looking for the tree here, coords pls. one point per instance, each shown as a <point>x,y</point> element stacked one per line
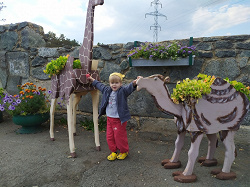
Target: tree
<point>53,41</point>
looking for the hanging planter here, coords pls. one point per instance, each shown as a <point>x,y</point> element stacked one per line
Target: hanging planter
<point>162,54</point>
<point>188,61</point>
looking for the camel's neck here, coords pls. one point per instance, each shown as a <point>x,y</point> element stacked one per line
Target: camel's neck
<point>86,50</point>
<point>165,103</point>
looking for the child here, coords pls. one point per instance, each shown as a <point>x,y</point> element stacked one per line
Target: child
<point>114,105</point>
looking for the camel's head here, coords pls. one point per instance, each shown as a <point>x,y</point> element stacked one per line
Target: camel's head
<point>151,83</point>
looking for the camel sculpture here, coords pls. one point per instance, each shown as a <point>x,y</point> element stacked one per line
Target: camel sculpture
<point>72,83</point>
<point>220,111</point>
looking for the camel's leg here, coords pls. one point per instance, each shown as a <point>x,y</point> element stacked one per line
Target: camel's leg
<point>210,160</point>
<point>192,155</point>
<point>225,174</point>
<point>187,176</point>
<point>70,126</point>
<point>76,100</point>
<point>174,161</point>
<point>229,153</point>
<point>52,118</point>
<point>95,102</point>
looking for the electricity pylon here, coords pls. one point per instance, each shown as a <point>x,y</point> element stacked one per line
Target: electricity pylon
<point>156,14</point>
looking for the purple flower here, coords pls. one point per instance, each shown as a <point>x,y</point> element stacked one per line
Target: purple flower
<point>14,103</point>
<point>18,101</point>
<point>11,107</point>
<point>5,100</point>
<point>10,100</point>
<point>1,108</point>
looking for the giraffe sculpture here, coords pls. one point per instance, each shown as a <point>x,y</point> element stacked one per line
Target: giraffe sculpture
<point>72,83</point>
<point>220,111</point>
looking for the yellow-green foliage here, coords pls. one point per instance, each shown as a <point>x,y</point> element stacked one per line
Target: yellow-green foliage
<point>55,66</point>
<point>240,87</point>
<point>194,89</point>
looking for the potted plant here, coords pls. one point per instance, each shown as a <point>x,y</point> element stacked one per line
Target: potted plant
<point>55,66</point>
<point>152,54</point>
<point>29,108</point>
<point>189,91</point>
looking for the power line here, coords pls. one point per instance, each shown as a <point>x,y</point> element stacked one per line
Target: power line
<point>156,14</point>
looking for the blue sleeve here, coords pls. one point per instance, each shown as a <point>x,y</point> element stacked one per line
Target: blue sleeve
<point>128,89</point>
<point>100,86</point>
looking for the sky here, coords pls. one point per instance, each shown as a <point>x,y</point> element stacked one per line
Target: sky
<point>122,21</point>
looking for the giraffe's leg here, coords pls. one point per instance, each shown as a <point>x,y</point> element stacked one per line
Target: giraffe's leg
<point>52,120</point>
<point>95,102</point>
<point>174,161</point>
<point>210,160</point>
<point>70,127</point>
<point>225,173</point>
<point>76,100</point>
<point>187,176</point>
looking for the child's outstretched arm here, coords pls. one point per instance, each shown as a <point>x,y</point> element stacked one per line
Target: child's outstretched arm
<point>100,86</point>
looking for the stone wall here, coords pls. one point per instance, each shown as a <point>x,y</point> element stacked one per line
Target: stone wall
<point>23,57</point>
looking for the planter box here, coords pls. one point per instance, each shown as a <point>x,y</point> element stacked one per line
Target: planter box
<point>166,62</point>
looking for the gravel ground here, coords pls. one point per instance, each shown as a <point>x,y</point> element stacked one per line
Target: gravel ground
<point>28,160</point>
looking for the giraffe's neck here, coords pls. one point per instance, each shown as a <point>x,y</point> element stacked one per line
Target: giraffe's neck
<point>85,52</point>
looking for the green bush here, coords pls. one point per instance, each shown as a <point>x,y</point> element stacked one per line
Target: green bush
<point>89,124</point>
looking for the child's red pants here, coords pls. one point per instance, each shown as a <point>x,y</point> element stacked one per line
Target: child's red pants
<point>117,135</point>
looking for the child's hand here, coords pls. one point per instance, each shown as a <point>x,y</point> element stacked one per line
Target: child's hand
<point>134,82</point>
<point>138,77</point>
<point>91,79</point>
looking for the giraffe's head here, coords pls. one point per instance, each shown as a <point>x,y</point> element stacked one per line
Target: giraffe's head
<point>97,2</point>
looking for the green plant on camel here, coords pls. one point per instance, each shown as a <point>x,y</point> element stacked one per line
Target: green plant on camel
<point>55,66</point>
<point>191,90</point>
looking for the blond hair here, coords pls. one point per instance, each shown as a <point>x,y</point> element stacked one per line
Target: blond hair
<point>113,77</point>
